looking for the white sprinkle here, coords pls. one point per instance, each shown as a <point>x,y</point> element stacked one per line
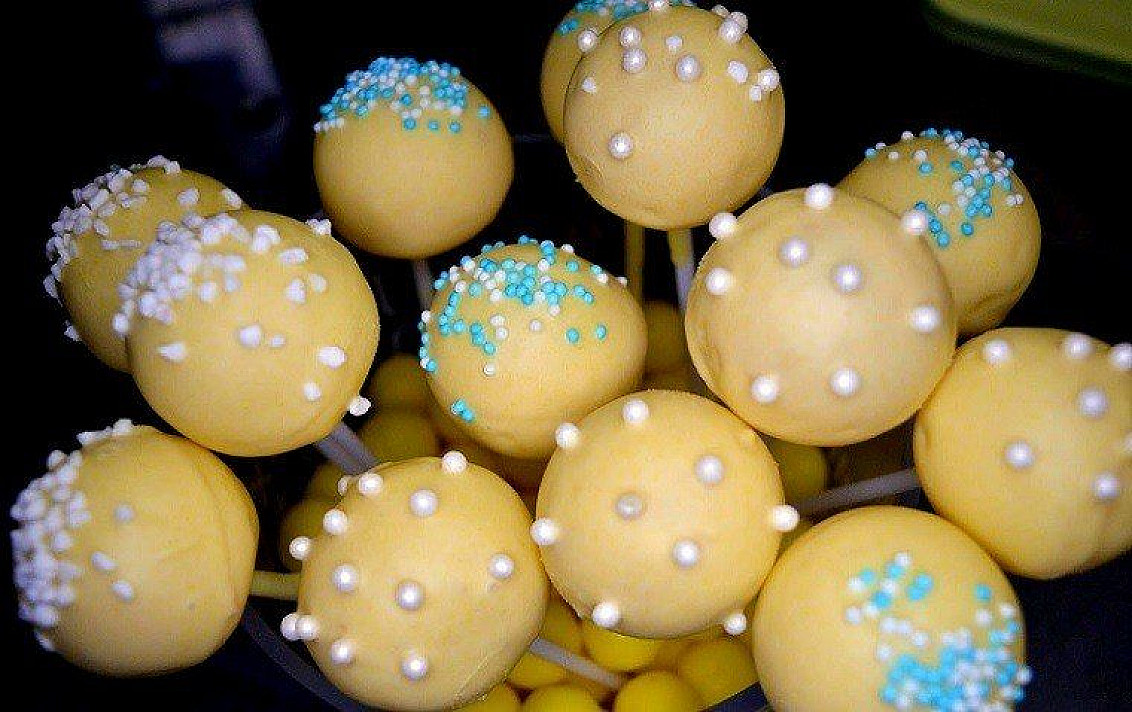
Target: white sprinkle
<point>925,319</point>
<point>914,222</point>
<point>635,411</point>
<point>545,532</point>
<point>686,553</point>
<point>1092,402</point>
<point>783,518</point>
<point>674,43</point>
<point>331,356</point>
<point>230,197</point>
<point>334,522</point>
<point>293,256</point>
<point>277,341</point>
<point>735,624</point>
<point>123,590</point>
<point>317,282</point>
<point>853,615</point>
<point>173,352</point>
<point>454,462</point>
<point>208,292</point>
<point>289,626</point>
<point>589,85</point>
<point>343,485</point>
<point>629,505</point>
<point>764,389</point>
<point>634,60</point>
<point>1106,487</point>
<point>794,252</point>
<point>501,567</point>
<point>296,292</point>
<point>845,382</point>
<point>606,614</point>
<point>123,513</point>
<point>341,652</point>
<point>1019,455</point>
<point>102,562</point>
<point>658,5</point>
<point>629,37</point>
<point>755,92</point>
<point>311,391</point>
<point>709,470</point>
<point>737,71</point>
<point>818,196</point>
<point>489,369</point>
<point>414,666</point>
<point>587,40</point>
<point>723,226</point>
<point>996,352</point>
<point>250,336</point>
<point>688,68</point>
<point>306,628</point>
<point>730,31</point>
<point>345,578</point>
<point>983,618</point>
<point>768,79</point>
<point>370,484</point>
<point>847,278</point>
<point>359,405</point>
<point>188,197</point>
<point>620,145</point>
<point>423,503</point>
<point>1077,347</point>
<point>719,281</point>
<point>920,156</point>
<point>1120,357</point>
<point>567,436</point>
<point>299,548</point>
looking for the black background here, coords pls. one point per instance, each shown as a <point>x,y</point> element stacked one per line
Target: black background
<point>96,94</point>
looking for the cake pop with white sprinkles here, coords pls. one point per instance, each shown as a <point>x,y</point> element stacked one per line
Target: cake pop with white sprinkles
<point>98,239</point>
<point>655,535</point>
<point>410,158</point>
<point>820,318</point>
<point>1026,444</point>
<point>424,589</point>
<point>982,224</point>
<point>673,115</point>
<point>134,554</point>
<point>525,336</point>
<point>250,333</point>
<point>889,608</point>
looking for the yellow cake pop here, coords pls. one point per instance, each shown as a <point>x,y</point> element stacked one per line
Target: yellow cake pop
<point>251,333</point>
<point>820,318</point>
<point>134,555</point>
<point>560,698</point>
<point>657,691</point>
<point>717,669</point>
<point>98,239</point>
<point>304,519</point>
<point>673,115</point>
<point>804,469</point>
<point>526,336</point>
<point>884,607</point>
<point>423,591</point>
<point>1027,445</point>
<point>654,535</point>
<point>982,225</point>
<point>410,158</point>
<point>399,383</point>
<point>501,699</point>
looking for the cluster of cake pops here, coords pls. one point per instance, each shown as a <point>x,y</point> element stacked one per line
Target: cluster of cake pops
<point>518,513</point>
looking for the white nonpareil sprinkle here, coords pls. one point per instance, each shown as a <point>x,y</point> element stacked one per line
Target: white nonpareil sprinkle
<point>737,71</point>
<point>332,356</point>
<point>359,405</point>
<point>296,291</point>
<point>311,391</point>
<point>188,198</point>
<point>251,335</point>
<point>173,352</point>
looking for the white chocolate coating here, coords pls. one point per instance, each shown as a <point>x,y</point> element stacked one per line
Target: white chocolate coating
<point>875,605</point>
<point>819,338</point>
<point>1025,446</point>
<point>251,334</point>
<point>134,554</point>
<point>664,146</point>
<point>982,224</point>
<point>98,239</point>
<point>656,535</point>
<point>407,603</point>
<point>526,336</point>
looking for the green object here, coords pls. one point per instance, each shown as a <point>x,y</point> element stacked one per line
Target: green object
<point>1088,36</point>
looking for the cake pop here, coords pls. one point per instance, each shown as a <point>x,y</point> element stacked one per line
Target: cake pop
<point>673,115</point>
<point>803,468</point>
<point>98,239</point>
<point>820,318</point>
<point>1026,444</point>
<point>423,590</point>
<point>134,554</point>
<point>560,698</point>
<point>399,383</point>
<point>525,336</point>
<point>250,333</point>
<point>901,610</point>
<point>982,225</point>
<point>655,535</point>
<point>410,158</point>
<point>657,691</point>
<point>717,669</point>
<point>501,699</point>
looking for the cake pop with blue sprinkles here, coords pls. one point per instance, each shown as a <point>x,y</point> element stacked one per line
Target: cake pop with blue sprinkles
<point>410,158</point>
<point>893,609</point>
<point>982,224</point>
<point>523,337</point>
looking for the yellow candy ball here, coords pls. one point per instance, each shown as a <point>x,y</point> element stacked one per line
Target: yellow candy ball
<point>501,699</point>
<point>804,469</point>
<point>399,382</point>
<point>717,669</point>
<point>617,652</point>
<point>657,691</point>
<point>559,627</point>
<point>667,347</point>
<point>303,519</point>
<point>671,650</point>
<point>560,698</point>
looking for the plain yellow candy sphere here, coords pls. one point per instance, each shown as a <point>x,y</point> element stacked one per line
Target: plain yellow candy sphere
<point>657,691</point>
<point>559,627</point>
<point>1027,446</point>
<point>250,333</point>
<point>717,669</point>
<point>134,555</point>
<point>501,699</point>
<point>525,336</point>
<point>804,469</point>
<point>668,349</point>
<point>671,649</point>
<point>616,652</point>
<point>560,698</point>
<point>411,159</point>
<point>111,223</point>
<point>302,519</point>
<point>984,228</point>
<point>673,115</point>
<point>399,383</point>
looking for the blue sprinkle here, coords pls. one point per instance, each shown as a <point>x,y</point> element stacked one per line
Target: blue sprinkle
<point>572,335</point>
<point>982,593</point>
<point>409,124</point>
<point>600,332</point>
<point>967,229</point>
<point>925,168</point>
<point>454,127</point>
<point>483,112</point>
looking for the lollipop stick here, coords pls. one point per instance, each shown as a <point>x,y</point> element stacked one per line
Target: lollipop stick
<point>268,584</point>
<point>858,492</point>
<point>575,663</point>
<point>683,261</point>
<point>348,440</point>
<point>333,450</point>
<point>635,258</point>
<point>422,276</point>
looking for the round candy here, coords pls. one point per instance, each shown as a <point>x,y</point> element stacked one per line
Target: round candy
<point>1027,445</point>
<point>501,699</point>
<point>525,336</point>
<point>657,691</point>
<point>559,627</point>
<point>98,239</point>
<point>579,29</point>
<point>667,348</point>
<point>672,116</point>
<point>134,555</point>
<point>302,520</point>
<point>717,669</point>
<point>981,223</point>
<point>671,649</point>
<point>560,698</point>
<point>250,333</point>
<point>654,535</point>
<point>886,453</point>
<point>617,652</point>
<point>410,158</point>
<point>423,591</point>
<point>902,609</point>
<point>818,319</point>
<point>399,383</point>
<point>804,469</point>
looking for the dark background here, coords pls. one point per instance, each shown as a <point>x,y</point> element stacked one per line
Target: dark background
<point>116,82</point>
